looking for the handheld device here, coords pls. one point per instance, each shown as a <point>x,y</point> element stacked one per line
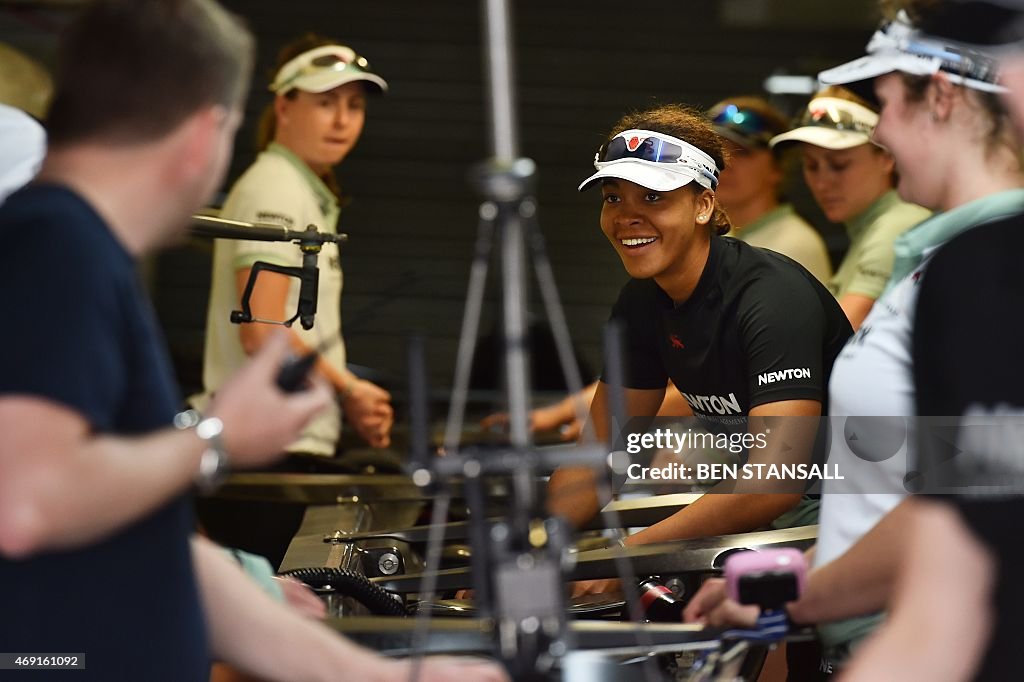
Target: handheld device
<point>294,371</point>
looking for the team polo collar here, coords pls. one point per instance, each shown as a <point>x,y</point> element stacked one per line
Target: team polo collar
<point>325,197</point>
<point>708,277</point>
<point>912,246</point>
<point>777,213</point>
<point>856,226</point>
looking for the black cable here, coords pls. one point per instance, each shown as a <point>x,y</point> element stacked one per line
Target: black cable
<point>350,584</point>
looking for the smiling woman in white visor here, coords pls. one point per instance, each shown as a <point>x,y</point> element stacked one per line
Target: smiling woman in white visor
<point>709,313</point>
<point>851,179</point>
<point>656,165</point>
<point>957,153</point>
<point>966,544</point>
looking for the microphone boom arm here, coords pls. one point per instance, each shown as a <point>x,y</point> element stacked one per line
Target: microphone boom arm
<point>310,241</point>
<point>222,228</point>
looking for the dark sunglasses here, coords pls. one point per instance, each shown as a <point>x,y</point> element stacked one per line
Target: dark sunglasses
<point>657,149</point>
<point>748,124</point>
<point>650,149</point>
<point>337,63</point>
<point>835,118</point>
<point>331,62</point>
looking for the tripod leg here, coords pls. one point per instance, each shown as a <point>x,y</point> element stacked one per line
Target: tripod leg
<point>553,307</point>
<point>470,325</point>
<point>563,343</point>
<point>514,304</point>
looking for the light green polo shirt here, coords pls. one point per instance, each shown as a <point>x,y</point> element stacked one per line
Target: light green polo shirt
<point>783,230</point>
<point>868,262</point>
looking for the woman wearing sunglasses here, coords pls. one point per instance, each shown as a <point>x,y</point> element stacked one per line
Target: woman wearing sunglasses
<point>851,179</point>
<point>957,153</point>
<point>316,118</point>
<point>743,333</point>
<point>750,188</point>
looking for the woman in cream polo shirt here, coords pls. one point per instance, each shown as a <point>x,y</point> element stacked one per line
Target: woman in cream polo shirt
<point>315,120</point>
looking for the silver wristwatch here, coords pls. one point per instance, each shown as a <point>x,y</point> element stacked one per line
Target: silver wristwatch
<point>213,465</point>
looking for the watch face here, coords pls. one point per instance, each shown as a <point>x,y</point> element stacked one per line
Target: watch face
<point>213,469</point>
<point>209,428</point>
<point>186,419</point>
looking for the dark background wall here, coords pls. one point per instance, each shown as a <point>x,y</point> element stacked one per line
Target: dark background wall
<point>412,218</point>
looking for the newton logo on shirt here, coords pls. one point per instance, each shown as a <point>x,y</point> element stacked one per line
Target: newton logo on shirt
<point>782,375</point>
<point>714,403</point>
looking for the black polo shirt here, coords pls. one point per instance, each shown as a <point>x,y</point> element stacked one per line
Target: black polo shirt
<point>968,337</point>
<point>757,329</point>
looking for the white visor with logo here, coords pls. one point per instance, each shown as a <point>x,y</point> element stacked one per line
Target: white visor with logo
<point>653,160</point>
<point>325,68</point>
<point>898,46</point>
<point>832,123</point>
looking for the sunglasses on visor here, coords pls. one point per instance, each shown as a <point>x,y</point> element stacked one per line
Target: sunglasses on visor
<point>834,118</point>
<point>327,62</point>
<point>656,149</point>
<point>746,123</point>
<point>650,149</point>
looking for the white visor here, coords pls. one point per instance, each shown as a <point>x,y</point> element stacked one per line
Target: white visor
<point>832,123</point>
<point>325,68</point>
<point>644,173</point>
<point>898,46</point>
<point>653,160</point>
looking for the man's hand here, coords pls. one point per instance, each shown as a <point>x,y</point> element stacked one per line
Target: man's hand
<point>259,419</point>
<point>712,606</point>
<point>368,408</point>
